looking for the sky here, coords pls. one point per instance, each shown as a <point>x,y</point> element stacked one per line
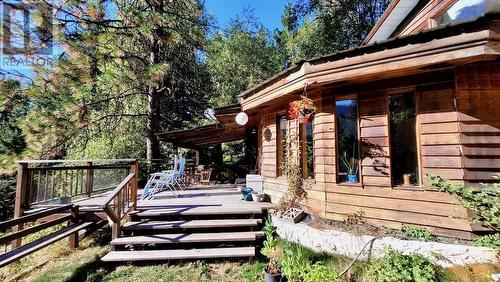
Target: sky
<point>268,12</point>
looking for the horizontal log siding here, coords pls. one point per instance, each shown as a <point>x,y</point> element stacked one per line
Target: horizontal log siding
<point>478,100</point>
<point>374,133</point>
<point>440,153</point>
<point>439,136</point>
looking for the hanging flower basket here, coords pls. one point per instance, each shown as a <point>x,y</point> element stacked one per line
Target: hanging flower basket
<point>302,109</point>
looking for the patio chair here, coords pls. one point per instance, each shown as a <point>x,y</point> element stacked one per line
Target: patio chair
<point>158,182</point>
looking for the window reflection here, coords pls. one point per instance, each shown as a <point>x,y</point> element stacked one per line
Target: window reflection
<point>347,135</point>
<point>462,10</point>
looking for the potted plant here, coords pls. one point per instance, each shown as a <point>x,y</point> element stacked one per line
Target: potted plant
<point>407,179</point>
<point>272,252</point>
<point>352,168</point>
<point>302,109</point>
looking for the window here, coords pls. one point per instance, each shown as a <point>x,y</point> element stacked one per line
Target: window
<point>402,126</point>
<point>348,144</point>
<point>462,10</point>
<point>280,143</point>
<point>307,149</point>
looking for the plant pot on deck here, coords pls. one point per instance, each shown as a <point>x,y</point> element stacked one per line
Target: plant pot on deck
<point>277,277</point>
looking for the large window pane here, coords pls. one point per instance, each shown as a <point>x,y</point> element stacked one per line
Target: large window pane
<point>281,143</point>
<point>307,148</point>
<point>404,158</point>
<point>347,135</point>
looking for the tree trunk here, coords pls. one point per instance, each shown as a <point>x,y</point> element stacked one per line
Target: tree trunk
<point>153,123</point>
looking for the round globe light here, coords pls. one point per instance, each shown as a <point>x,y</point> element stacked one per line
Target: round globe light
<point>241,118</point>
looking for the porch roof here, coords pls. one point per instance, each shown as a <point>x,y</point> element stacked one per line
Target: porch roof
<point>225,130</point>
<point>195,138</point>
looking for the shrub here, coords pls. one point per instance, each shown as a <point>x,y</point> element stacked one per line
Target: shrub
<point>318,273</point>
<point>397,267</point>
<point>489,241</point>
<point>416,232</point>
<point>271,249</point>
<point>483,200</point>
<point>294,262</point>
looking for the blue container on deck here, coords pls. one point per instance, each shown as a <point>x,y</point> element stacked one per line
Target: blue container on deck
<point>246,194</point>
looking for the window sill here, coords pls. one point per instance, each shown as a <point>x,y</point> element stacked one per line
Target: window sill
<point>349,184</point>
<point>410,187</point>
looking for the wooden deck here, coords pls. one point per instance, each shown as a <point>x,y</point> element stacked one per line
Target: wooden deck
<point>194,199</point>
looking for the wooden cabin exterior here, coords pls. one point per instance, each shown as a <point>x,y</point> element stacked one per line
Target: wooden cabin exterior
<point>443,82</point>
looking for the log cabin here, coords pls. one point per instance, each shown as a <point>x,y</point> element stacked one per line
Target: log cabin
<point>420,96</point>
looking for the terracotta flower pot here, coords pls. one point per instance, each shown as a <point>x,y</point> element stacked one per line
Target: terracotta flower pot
<point>406,180</point>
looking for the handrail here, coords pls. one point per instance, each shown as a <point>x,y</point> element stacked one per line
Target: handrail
<point>117,190</point>
<point>33,216</point>
<point>74,161</point>
<point>18,230</point>
<point>121,201</point>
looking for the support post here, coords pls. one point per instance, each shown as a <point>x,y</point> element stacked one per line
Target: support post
<point>90,180</point>
<point>20,202</point>
<point>73,238</point>
<point>134,183</point>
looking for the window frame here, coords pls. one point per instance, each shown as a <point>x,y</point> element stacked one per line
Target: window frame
<point>358,132</point>
<point>303,149</point>
<point>391,92</point>
<point>279,143</point>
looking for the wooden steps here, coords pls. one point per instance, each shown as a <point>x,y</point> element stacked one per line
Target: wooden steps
<point>191,224</point>
<point>184,232</point>
<point>180,254</point>
<point>188,238</point>
<point>197,211</point>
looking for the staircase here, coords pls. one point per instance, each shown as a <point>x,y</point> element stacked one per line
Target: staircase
<point>189,233</point>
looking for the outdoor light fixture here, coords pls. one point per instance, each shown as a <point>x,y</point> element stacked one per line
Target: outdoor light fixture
<point>241,118</point>
<point>209,113</point>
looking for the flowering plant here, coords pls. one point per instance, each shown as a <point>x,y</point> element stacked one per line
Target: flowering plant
<point>302,109</point>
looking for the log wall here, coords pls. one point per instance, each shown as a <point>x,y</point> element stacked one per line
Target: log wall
<point>458,123</point>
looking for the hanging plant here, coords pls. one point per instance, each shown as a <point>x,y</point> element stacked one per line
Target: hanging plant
<point>302,109</point>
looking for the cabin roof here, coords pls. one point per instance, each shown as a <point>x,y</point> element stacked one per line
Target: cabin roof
<point>391,43</point>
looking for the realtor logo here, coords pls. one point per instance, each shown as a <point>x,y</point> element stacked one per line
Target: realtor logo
<point>26,28</point>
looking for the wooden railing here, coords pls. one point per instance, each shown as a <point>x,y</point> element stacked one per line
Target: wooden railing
<point>50,217</point>
<point>49,183</point>
<point>120,202</point>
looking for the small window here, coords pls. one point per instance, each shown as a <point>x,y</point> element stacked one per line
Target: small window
<point>348,143</point>
<point>280,143</point>
<point>307,149</point>
<point>461,11</point>
<point>404,153</point>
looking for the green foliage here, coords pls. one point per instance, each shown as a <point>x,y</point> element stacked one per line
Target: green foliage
<point>318,273</point>
<point>488,241</point>
<point>239,58</point>
<point>294,262</point>
<point>8,194</point>
<point>314,28</point>
<point>13,108</point>
<point>482,200</point>
<point>417,232</point>
<point>271,249</point>
<point>397,267</point>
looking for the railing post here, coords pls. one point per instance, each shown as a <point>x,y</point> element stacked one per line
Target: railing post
<point>116,227</point>
<point>20,202</point>
<point>90,180</point>
<point>134,183</point>
<point>73,238</point>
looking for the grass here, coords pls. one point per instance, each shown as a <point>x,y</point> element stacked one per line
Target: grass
<point>55,263</point>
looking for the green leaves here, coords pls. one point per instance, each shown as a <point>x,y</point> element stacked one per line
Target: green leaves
<point>396,267</point>
<point>483,200</point>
